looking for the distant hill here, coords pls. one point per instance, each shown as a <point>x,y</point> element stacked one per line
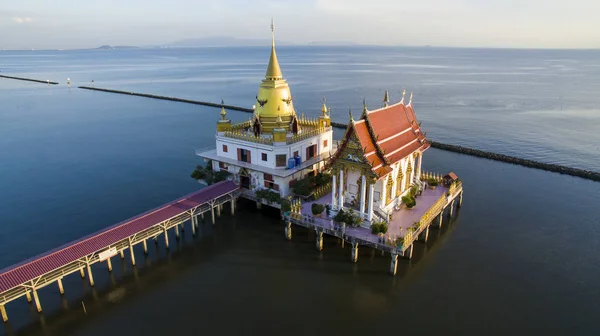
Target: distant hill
<point>223,41</point>
<point>108,47</point>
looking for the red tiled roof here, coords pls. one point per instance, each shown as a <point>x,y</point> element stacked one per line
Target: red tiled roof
<point>46,262</point>
<point>397,135</point>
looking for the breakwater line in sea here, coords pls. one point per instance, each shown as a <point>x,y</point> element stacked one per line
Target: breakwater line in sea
<point>30,80</point>
<point>181,100</point>
<point>586,174</point>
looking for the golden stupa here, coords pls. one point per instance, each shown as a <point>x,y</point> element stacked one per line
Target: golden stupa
<point>274,108</point>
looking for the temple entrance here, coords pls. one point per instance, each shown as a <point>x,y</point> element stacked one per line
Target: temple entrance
<point>244,178</point>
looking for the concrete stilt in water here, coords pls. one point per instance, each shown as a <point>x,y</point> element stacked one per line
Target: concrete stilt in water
<point>288,231</point>
<point>3,313</point>
<point>109,264</point>
<point>194,219</point>
<point>212,214</point>
<point>166,237</point>
<point>459,204</point>
<point>122,254</point>
<point>60,287</point>
<point>319,240</point>
<point>440,219</point>
<point>394,263</point>
<point>408,252</point>
<point>156,240</point>
<point>343,242</point>
<point>38,306</point>
<point>258,205</point>
<point>202,217</point>
<point>177,231</point>
<point>82,273</point>
<point>424,235</point>
<point>90,276</point>
<point>145,246</point>
<point>28,296</point>
<point>451,211</point>
<point>131,253</point>
<point>354,256</point>
<point>219,210</point>
<point>233,200</point>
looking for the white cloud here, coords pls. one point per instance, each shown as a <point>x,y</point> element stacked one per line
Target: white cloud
<point>19,20</point>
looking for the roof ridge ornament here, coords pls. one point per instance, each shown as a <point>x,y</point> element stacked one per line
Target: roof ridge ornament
<point>223,112</point>
<point>410,100</point>
<point>403,94</point>
<point>350,113</point>
<point>386,98</point>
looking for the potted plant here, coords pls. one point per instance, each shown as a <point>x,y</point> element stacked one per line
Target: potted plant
<point>409,201</point>
<point>340,218</point>
<point>317,209</point>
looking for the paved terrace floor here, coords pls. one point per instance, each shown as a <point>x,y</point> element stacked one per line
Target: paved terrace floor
<point>401,219</point>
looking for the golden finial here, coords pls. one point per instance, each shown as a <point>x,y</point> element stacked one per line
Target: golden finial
<point>273,69</point>
<point>386,98</point>
<point>350,113</point>
<point>410,100</point>
<point>364,106</point>
<point>223,112</point>
<point>324,108</point>
<point>403,94</point>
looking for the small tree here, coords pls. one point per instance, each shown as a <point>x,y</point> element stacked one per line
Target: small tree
<point>340,217</point>
<point>383,228</point>
<point>285,205</point>
<point>432,182</point>
<point>409,201</point>
<point>375,228</point>
<point>317,209</point>
<point>302,187</point>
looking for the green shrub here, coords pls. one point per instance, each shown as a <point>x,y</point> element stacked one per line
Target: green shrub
<point>340,217</point>
<point>302,187</point>
<point>409,201</point>
<point>383,228</point>
<point>322,179</point>
<point>267,195</point>
<point>375,228</point>
<point>317,208</point>
<point>432,182</point>
<point>285,205</point>
<point>199,173</point>
<point>413,191</point>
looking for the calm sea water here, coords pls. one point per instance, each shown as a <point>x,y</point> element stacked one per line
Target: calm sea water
<point>520,258</point>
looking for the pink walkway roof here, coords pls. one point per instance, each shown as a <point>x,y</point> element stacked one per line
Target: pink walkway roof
<point>34,267</point>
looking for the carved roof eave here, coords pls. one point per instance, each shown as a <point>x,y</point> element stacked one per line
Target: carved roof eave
<point>334,158</point>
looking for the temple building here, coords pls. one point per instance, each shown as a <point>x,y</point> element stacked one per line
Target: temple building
<point>275,147</point>
<point>378,160</point>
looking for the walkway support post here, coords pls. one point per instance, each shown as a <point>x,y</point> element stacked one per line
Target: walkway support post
<point>408,252</point>
<point>319,240</point>
<point>212,212</point>
<point>90,276</point>
<point>82,273</point>
<point>354,256</point>
<point>288,230</point>
<point>61,289</point>
<point>394,263</point>
<point>176,228</point>
<point>166,236</point>
<point>109,264</point>
<point>451,212</point>
<point>38,306</point>
<point>131,253</point>
<point>219,210</point>
<point>145,246</point>
<point>460,200</point>
<point>441,218</point>
<point>194,220</point>
<point>424,235</point>
<point>122,254</point>
<point>233,200</point>
<point>3,313</point>
<point>28,296</point>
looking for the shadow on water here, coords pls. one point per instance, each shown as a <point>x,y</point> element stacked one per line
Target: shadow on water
<point>253,239</point>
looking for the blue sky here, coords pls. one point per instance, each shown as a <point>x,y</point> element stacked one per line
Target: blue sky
<point>467,23</point>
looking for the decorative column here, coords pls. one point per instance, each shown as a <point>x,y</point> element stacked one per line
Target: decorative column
<point>333,180</point>
<point>394,263</point>
<point>371,195</point>
<point>363,194</point>
<point>341,193</point>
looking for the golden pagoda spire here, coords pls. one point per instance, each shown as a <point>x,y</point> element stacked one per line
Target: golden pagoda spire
<point>223,112</point>
<point>273,70</point>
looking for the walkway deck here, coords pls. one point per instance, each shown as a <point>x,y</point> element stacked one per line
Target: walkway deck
<point>42,270</point>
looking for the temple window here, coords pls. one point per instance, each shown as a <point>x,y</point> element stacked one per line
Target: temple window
<point>224,148</point>
<point>244,155</point>
<point>264,156</point>
<point>311,152</point>
<point>280,160</point>
<point>324,143</point>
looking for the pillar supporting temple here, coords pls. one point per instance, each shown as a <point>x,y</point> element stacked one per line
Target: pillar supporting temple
<point>131,253</point>
<point>341,193</point>
<point>288,231</point>
<point>122,254</point>
<point>363,194</point>
<point>408,252</point>
<point>459,204</point>
<point>371,195</point>
<point>319,240</point>
<point>28,296</point>
<point>233,200</point>
<point>333,190</point>
<point>219,210</point>
<point>166,237</point>
<point>354,256</point>
<point>109,264</point>
<point>394,263</point>
<point>440,219</point>
<point>194,220</point>
<point>82,273</point>
<point>212,212</point>
<point>145,246</point>
<point>90,276</point>
<point>176,228</point>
